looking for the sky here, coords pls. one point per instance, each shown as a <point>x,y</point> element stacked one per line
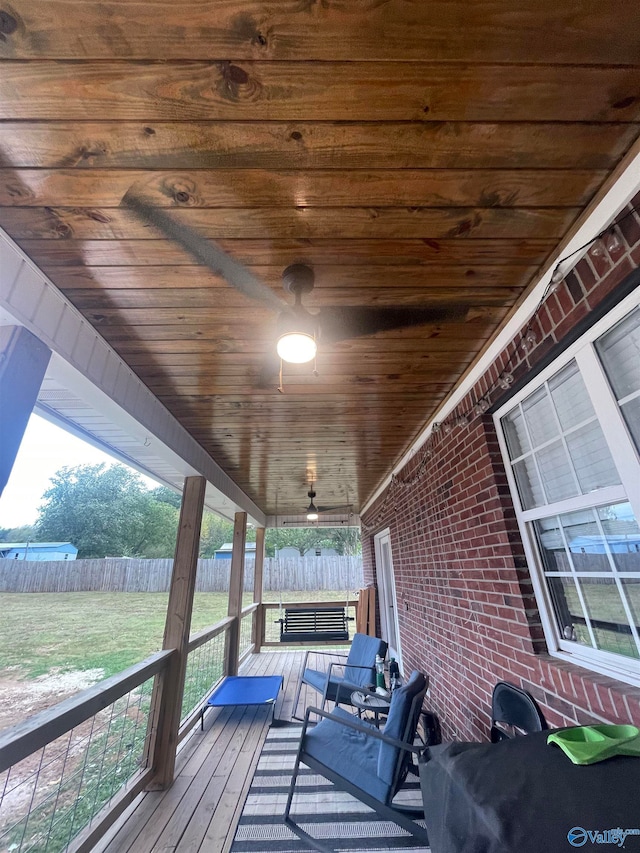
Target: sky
<point>44,450</point>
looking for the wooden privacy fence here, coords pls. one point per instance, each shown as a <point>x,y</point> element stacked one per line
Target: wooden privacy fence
<point>133,575</point>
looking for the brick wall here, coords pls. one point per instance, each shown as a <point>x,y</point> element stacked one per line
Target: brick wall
<point>466,607</point>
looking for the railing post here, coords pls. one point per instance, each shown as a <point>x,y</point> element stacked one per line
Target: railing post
<point>235,593</point>
<point>168,691</point>
<point>258,616</point>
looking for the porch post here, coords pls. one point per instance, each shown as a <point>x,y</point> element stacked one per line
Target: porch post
<point>23,363</point>
<point>168,691</point>
<point>235,593</point>
<point>258,622</point>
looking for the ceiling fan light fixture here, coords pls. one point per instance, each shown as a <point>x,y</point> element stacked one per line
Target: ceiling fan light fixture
<point>312,509</point>
<point>312,512</point>
<point>296,347</point>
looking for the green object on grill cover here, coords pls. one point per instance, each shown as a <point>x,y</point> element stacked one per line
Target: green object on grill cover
<point>588,744</point>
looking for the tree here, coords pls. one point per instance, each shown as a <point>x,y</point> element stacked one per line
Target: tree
<point>215,531</point>
<point>17,534</point>
<point>106,511</point>
<point>166,496</point>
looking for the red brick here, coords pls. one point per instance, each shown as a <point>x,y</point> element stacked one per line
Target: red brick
<point>587,276</point>
<point>574,288</point>
<point>553,307</point>
<point>630,228</point>
<point>600,262</point>
<point>581,310</point>
<point>610,282</point>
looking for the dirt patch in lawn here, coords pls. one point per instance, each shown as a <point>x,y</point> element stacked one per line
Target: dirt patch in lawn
<point>23,698</point>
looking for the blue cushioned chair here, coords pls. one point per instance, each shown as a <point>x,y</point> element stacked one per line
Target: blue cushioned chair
<point>354,671</point>
<point>366,763</point>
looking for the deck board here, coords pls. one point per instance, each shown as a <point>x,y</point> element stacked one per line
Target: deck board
<point>214,770</point>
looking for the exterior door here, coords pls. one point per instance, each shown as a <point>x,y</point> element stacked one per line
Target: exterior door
<point>387,595</point>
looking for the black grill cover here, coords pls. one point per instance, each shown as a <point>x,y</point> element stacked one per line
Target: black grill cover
<point>523,796</point>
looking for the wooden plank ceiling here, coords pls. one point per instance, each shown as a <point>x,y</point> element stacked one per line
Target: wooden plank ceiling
<point>416,152</point>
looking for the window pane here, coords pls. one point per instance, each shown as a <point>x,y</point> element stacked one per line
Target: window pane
<point>554,554</point>
<point>623,536</point>
<point>631,414</point>
<point>591,459</point>
<point>515,434</point>
<point>568,611</point>
<point>529,487</point>
<point>608,619</point>
<point>619,352</point>
<point>570,397</point>
<point>540,417</point>
<point>585,541</point>
<point>555,470</point>
<point>632,591</point>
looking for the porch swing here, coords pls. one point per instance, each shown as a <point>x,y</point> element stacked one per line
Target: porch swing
<point>313,624</point>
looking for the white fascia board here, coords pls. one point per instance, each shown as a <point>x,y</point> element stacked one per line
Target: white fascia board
<point>86,363</point>
<point>620,194</point>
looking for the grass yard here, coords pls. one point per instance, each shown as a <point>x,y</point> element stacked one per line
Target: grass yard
<point>40,632</point>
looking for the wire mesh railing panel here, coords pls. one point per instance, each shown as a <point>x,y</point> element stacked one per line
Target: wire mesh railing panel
<point>271,624</point>
<point>205,667</point>
<point>49,797</point>
<point>246,632</point>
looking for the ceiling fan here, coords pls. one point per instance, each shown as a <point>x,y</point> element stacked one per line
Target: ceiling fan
<point>313,511</point>
<point>299,330</point>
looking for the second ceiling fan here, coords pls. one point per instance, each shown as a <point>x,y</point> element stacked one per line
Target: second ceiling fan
<point>314,512</point>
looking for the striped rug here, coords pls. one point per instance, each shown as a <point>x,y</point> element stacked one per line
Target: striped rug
<point>341,821</point>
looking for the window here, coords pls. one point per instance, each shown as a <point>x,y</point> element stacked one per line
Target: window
<point>571,443</point>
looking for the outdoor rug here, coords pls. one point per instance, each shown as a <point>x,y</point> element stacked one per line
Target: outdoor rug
<point>339,820</point>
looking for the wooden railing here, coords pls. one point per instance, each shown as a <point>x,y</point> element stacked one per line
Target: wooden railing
<point>248,618</point>
<point>206,665</point>
<point>58,777</point>
<point>89,729</point>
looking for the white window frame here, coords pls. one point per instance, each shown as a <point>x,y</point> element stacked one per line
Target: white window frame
<point>627,461</point>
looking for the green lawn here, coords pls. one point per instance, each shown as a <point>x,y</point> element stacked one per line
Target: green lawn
<point>87,630</point>
<point>103,630</point>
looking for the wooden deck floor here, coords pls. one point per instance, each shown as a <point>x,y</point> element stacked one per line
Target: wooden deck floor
<point>214,770</point>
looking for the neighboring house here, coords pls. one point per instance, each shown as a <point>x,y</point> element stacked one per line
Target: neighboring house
<point>287,553</point>
<point>224,552</point>
<point>622,544</point>
<point>321,552</point>
<point>38,551</point>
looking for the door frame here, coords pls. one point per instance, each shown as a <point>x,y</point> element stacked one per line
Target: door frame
<point>385,575</point>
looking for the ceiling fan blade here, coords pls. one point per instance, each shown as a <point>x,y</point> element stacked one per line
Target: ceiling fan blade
<point>207,253</point>
<point>339,324</point>
<point>325,509</point>
<point>269,377</point>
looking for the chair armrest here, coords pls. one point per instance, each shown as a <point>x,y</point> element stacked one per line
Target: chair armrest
<point>367,692</point>
<point>332,654</point>
<point>314,652</point>
<point>350,665</point>
<point>353,723</point>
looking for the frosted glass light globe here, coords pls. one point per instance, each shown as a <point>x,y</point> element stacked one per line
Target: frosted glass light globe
<point>296,347</point>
